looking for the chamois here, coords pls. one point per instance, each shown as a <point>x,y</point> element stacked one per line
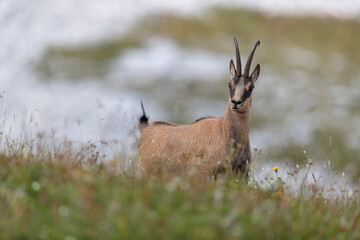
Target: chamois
<point>212,145</point>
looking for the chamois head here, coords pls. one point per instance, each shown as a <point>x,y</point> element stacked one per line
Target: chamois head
<point>241,85</point>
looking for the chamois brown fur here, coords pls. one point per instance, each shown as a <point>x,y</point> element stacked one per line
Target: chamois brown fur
<point>210,145</point>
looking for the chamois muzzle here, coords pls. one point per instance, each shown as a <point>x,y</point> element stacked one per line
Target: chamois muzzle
<point>237,105</point>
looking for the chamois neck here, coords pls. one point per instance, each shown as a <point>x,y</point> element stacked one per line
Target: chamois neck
<point>236,125</point>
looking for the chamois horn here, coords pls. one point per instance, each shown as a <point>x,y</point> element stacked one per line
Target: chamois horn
<point>248,63</point>
<point>238,59</point>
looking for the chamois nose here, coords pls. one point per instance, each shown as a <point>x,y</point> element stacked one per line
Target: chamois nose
<point>236,102</point>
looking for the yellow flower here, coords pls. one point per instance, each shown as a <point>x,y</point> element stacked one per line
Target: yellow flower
<point>275,169</point>
<point>279,194</point>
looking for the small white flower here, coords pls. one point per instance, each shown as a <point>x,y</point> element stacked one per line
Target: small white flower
<point>35,186</point>
<point>63,211</point>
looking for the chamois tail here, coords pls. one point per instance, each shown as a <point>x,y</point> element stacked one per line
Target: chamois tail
<point>143,119</point>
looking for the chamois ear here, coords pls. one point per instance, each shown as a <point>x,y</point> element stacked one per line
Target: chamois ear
<point>255,74</point>
<point>232,69</point>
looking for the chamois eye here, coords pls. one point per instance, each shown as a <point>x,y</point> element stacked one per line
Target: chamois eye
<point>229,84</point>
<point>251,87</point>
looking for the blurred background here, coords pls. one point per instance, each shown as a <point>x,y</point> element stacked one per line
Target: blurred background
<point>78,70</point>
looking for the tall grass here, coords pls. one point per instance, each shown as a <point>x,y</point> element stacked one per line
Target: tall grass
<point>64,193</point>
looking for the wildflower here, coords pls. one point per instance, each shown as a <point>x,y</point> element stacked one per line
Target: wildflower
<point>279,195</point>
<point>276,169</point>
<point>63,211</point>
<point>35,186</point>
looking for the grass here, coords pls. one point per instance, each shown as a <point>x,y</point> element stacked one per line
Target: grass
<point>67,194</point>
<point>328,145</point>
<point>62,192</point>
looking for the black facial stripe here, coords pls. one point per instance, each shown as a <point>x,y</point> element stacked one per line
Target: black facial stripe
<point>232,92</point>
<point>235,81</point>
<point>246,95</point>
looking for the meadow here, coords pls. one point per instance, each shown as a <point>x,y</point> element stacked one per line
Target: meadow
<point>69,193</point>
<point>304,120</point>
